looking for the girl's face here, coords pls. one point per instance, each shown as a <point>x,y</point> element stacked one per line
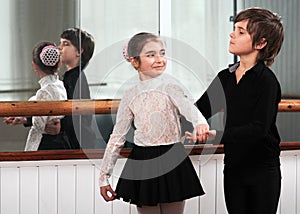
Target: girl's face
<point>152,60</point>
<point>68,53</point>
<point>240,40</point>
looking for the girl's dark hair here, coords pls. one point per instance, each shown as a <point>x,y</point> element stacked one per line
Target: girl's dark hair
<point>82,40</point>
<point>263,25</point>
<point>137,42</point>
<point>36,58</point>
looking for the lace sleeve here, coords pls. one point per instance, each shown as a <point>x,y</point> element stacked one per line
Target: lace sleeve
<point>38,125</point>
<point>116,142</point>
<point>183,101</point>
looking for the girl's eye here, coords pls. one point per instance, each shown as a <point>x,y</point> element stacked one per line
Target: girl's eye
<point>150,55</point>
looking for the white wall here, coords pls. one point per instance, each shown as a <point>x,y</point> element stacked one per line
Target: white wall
<point>71,187</point>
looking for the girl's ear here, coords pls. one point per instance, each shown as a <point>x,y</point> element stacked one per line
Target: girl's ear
<point>134,63</point>
<point>35,67</point>
<point>261,44</point>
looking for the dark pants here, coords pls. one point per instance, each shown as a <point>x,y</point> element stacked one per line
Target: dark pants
<point>252,191</point>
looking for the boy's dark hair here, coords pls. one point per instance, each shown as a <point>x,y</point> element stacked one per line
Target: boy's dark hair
<point>82,40</point>
<point>37,59</point>
<point>263,25</point>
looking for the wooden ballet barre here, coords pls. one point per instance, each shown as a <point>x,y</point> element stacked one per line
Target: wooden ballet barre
<point>289,105</point>
<point>65,107</point>
<point>78,107</point>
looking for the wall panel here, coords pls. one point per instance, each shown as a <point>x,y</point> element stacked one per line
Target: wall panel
<point>71,187</point>
<point>29,192</point>
<point>47,202</point>
<point>10,191</point>
<point>66,192</point>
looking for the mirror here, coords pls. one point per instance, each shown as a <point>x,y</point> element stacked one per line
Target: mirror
<point>27,23</point>
<point>31,21</point>
<point>196,46</point>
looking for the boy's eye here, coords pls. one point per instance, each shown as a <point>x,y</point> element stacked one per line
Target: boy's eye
<point>65,44</point>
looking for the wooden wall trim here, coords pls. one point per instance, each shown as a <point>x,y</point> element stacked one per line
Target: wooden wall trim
<point>98,153</point>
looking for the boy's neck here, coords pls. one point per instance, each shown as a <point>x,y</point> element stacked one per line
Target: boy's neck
<point>247,62</point>
<point>71,66</point>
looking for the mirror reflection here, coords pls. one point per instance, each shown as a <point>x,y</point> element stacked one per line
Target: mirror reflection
<point>196,42</point>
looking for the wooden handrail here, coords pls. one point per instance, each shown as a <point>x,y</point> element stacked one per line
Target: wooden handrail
<point>68,107</point>
<point>75,107</point>
<point>289,105</point>
<point>63,107</point>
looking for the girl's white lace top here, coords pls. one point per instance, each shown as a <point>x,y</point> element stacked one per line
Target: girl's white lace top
<point>155,106</point>
<point>51,89</point>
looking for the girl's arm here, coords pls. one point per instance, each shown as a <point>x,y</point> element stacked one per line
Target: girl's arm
<point>116,141</point>
<point>38,124</point>
<point>182,100</point>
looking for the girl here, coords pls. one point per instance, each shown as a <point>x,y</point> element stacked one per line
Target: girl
<point>252,177</point>
<point>158,175</point>
<point>45,63</point>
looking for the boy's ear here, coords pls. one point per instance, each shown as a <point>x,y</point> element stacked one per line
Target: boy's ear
<point>79,53</point>
<point>261,44</point>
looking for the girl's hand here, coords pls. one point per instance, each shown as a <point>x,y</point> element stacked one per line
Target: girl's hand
<point>14,120</point>
<point>200,133</point>
<point>104,190</point>
<point>211,135</point>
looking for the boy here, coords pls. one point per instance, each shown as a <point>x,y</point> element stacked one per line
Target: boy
<point>76,54</point>
<point>252,177</point>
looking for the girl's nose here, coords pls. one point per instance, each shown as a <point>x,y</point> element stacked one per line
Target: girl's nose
<point>231,34</point>
<point>159,58</point>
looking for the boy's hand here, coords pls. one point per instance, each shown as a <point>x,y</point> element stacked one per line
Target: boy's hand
<point>14,120</point>
<point>53,128</point>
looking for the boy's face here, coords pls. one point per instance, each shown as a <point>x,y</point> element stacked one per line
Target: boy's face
<point>152,60</point>
<point>240,40</point>
<point>68,52</point>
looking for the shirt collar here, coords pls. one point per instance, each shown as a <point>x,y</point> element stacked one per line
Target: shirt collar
<point>48,79</point>
<point>258,67</point>
<point>233,67</point>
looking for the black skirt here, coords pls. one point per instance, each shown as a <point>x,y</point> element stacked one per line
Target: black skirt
<point>158,174</point>
<point>54,142</point>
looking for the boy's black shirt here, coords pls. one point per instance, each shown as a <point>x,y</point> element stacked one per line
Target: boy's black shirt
<point>250,136</point>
